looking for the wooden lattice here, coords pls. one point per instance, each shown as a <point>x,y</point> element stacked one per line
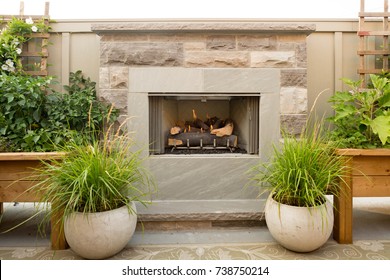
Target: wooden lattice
<point>369,52</point>
<point>34,53</point>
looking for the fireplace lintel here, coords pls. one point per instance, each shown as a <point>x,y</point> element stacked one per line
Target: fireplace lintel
<point>204,80</point>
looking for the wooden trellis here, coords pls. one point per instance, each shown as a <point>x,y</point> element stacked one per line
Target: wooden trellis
<point>34,53</point>
<point>368,53</point>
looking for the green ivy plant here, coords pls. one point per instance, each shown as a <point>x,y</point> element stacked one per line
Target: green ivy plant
<point>12,37</point>
<point>362,117</point>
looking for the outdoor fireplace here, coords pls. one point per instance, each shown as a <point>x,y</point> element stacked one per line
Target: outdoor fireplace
<point>161,99</point>
<point>171,75</point>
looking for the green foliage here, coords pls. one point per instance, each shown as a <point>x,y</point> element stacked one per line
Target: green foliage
<point>94,176</point>
<point>12,37</point>
<point>362,117</point>
<point>302,171</point>
<point>33,118</point>
<point>23,117</point>
<point>80,106</point>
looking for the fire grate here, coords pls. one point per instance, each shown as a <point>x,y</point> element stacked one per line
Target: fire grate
<point>178,144</point>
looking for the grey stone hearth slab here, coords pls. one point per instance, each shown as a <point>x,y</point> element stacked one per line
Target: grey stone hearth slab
<point>202,210</point>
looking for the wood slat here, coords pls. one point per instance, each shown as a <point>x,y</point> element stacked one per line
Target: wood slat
<point>16,191</point>
<point>373,165</point>
<point>374,52</point>
<point>374,14</point>
<point>374,33</point>
<point>370,71</point>
<point>372,186</point>
<point>14,172</point>
<point>31,156</point>
<point>36,73</point>
<point>363,152</point>
<point>39,35</point>
<point>34,54</point>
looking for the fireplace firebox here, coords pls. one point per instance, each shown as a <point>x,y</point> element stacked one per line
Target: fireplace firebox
<point>212,123</point>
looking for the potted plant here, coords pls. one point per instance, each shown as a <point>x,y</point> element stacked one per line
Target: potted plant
<point>92,192</point>
<point>362,126</point>
<point>34,118</point>
<point>300,174</point>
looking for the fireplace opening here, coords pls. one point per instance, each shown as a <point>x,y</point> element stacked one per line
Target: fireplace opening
<point>195,123</point>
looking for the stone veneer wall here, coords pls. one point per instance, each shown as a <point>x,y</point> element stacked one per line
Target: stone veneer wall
<point>207,45</point>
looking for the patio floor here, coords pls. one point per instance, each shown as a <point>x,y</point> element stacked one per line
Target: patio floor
<point>371,230</point>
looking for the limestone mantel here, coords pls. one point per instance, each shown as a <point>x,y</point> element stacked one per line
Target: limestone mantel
<point>204,26</point>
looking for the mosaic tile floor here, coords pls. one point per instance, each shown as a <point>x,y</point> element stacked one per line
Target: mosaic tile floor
<point>360,250</point>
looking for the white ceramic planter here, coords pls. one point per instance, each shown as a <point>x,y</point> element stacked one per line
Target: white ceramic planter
<point>100,235</point>
<point>299,229</point>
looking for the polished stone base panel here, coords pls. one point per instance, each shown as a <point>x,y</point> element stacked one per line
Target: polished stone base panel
<point>200,214</point>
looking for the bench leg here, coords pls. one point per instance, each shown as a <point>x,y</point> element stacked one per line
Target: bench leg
<point>58,241</point>
<point>342,229</point>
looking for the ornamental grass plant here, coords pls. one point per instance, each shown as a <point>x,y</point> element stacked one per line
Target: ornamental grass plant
<point>302,170</point>
<point>95,176</point>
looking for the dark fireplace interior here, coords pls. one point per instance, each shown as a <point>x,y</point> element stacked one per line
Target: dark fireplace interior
<point>186,123</point>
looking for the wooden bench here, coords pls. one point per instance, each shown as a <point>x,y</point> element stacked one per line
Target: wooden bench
<point>368,176</point>
<point>15,169</point>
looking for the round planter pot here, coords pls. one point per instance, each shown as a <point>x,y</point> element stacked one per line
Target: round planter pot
<point>100,235</point>
<point>299,229</point>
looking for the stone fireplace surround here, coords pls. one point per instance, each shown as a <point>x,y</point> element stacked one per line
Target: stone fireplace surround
<point>269,59</point>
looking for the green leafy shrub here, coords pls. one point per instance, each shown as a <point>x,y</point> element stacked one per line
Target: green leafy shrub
<point>22,103</point>
<point>362,117</point>
<point>80,106</point>
<point>33,118</point>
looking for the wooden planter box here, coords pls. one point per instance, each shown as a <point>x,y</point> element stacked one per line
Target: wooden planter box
<point>368,176</point>
<point>15,168</point>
